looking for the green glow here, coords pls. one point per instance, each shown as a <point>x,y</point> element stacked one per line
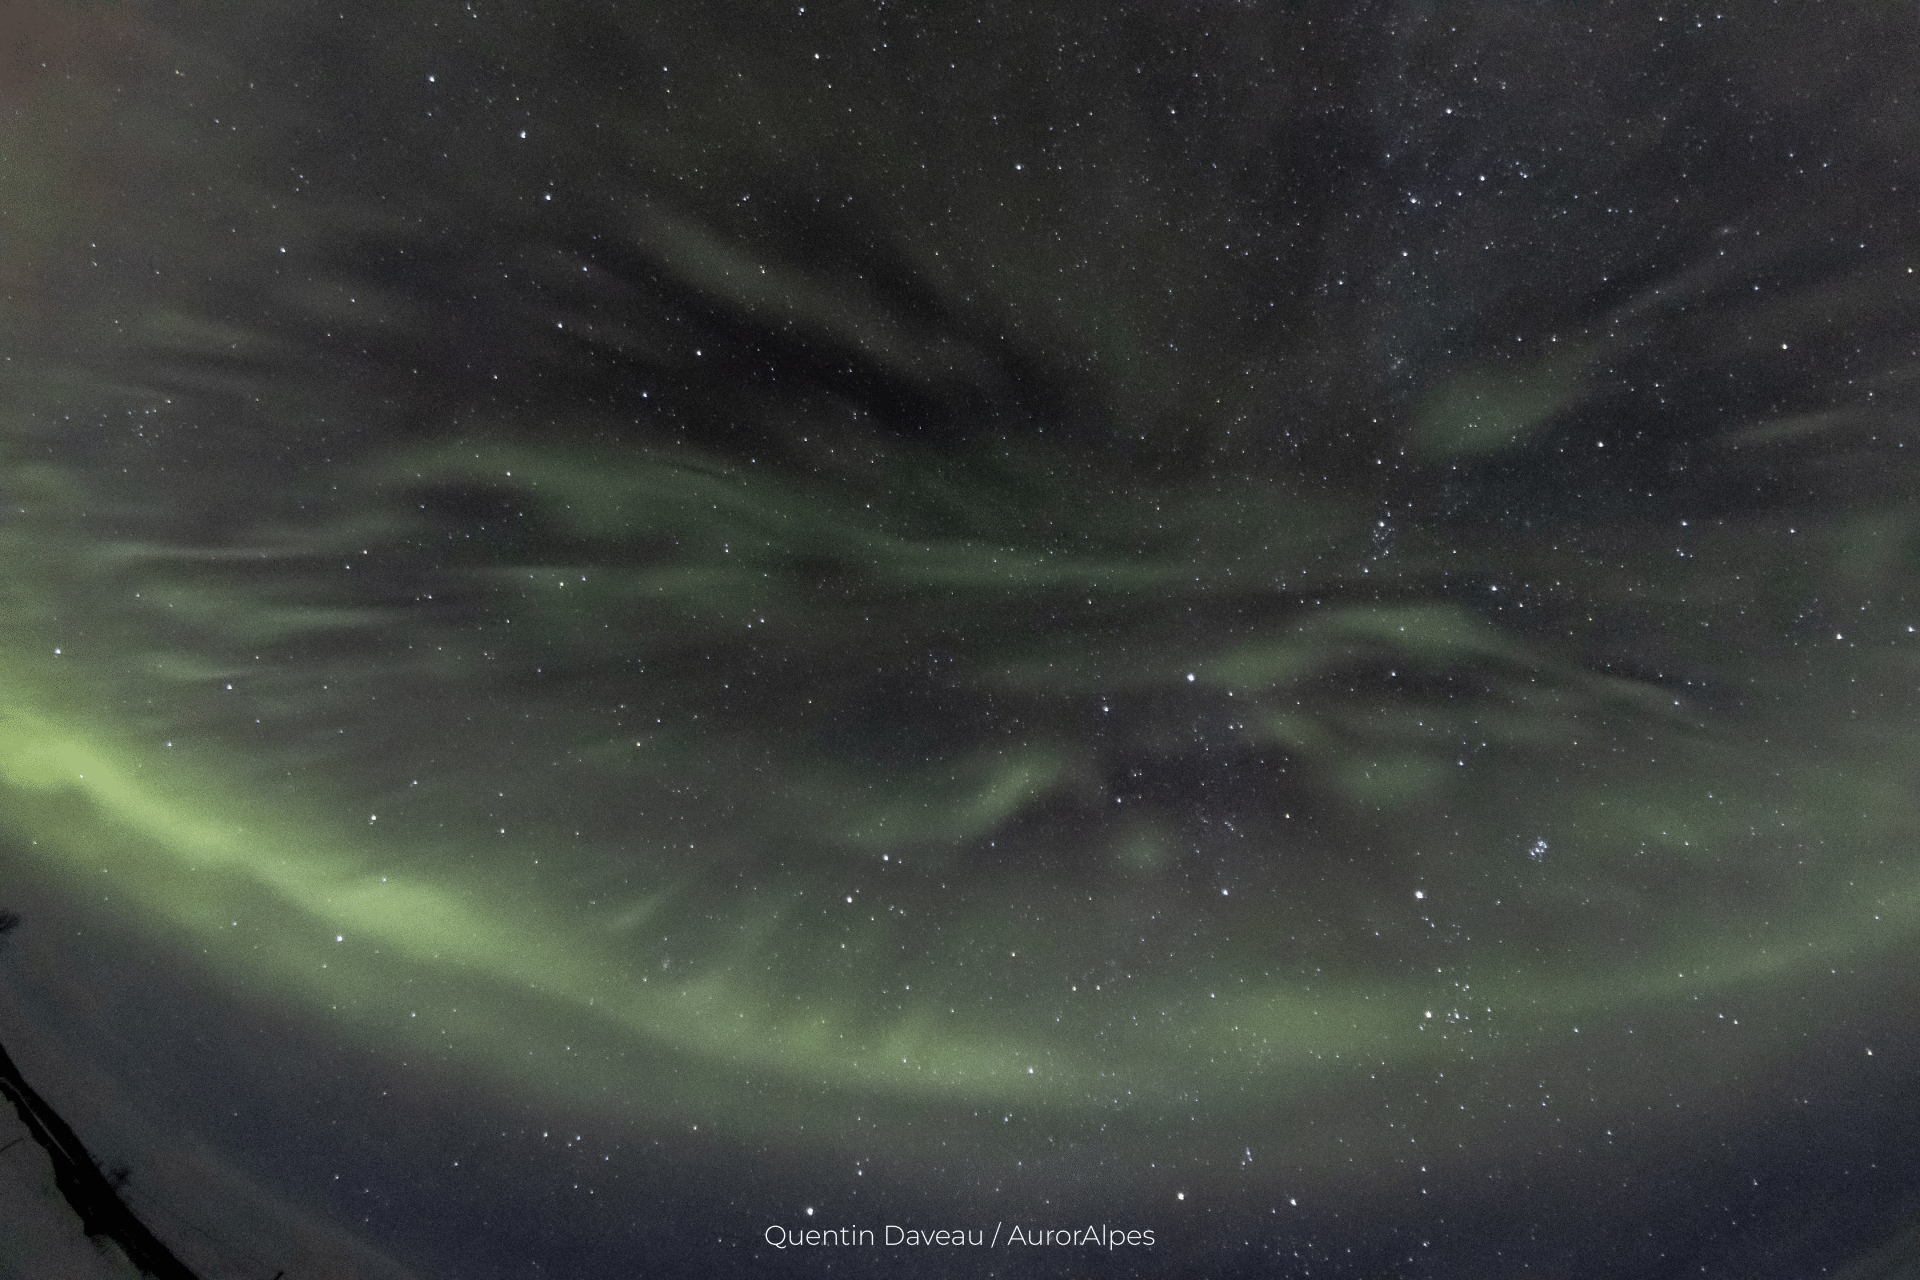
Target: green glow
<point>979,996</point>
<point>1208,730</point>
<point>1490,410</point>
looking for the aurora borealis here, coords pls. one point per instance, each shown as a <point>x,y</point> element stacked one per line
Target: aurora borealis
<point>1288,626</point>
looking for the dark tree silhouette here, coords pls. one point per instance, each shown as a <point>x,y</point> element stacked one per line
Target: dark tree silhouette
<point>94,1195</point>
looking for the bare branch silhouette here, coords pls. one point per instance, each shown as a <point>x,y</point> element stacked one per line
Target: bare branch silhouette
<point>93,1194</point>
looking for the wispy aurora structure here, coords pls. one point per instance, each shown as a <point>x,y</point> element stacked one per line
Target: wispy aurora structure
<point>1155,867</point>
<point>1090,658</point>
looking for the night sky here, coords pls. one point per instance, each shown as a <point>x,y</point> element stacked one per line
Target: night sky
<point>1285,628</point>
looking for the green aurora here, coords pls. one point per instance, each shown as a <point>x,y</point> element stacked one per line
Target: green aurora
<point>1200,761</point>
<point>846,925</point>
